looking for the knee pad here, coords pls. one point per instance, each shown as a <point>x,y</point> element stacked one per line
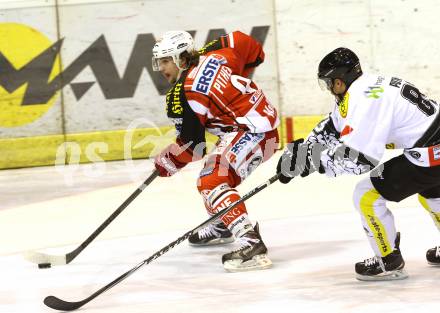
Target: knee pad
<point>366,197</point>
<point>219,197</point>
<point>361,189</point>
<point>430,204</point>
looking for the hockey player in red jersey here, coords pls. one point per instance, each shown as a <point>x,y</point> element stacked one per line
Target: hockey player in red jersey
<point>211,92</point>
<point>371,112</point>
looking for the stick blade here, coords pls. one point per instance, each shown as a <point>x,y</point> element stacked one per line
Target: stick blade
<point>61,305</point>
<point>40,258</point>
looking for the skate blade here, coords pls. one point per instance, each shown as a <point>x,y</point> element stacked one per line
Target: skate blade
<point>392,275</point>
<point>433,264</point>
<point>258,262</point>
<point>215,242</point>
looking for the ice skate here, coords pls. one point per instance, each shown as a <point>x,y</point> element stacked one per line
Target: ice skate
<point>377,268</point>
<point>252,255</point>
<point>433,256</point>
<point>213,234</point>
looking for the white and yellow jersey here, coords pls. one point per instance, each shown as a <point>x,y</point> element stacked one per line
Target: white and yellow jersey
<point>380,111</point>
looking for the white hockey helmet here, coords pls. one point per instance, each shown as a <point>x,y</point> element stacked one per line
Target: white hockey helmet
<point>172,44</point>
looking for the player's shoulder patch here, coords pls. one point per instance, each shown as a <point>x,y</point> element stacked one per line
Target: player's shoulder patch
<point>375,91</point>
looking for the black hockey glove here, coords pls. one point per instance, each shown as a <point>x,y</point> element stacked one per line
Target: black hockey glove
<point>299,158</point>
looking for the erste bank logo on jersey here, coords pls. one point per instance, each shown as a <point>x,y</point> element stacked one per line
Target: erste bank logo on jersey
<point>207,72</point>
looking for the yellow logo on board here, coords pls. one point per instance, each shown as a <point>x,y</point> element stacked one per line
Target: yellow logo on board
<point>343,105</point>
<point>19,45</point>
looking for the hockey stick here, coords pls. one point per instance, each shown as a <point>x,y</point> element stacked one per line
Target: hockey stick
<point>61,305</point>
<point>46,260</point>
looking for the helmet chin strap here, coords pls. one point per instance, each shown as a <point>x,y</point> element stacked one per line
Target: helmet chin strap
<point>339,97</point>
<point>180,73</point>
<point>181,69</point>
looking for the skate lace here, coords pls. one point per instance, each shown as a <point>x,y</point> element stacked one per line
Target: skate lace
<point>246,242</point>
<point>437,251</point>
<point>371,261</point>
<point>208,231</point>
<point>375,261</point>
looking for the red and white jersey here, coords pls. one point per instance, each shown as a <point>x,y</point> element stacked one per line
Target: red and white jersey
<point>218,97</point>
<point>221,95</point>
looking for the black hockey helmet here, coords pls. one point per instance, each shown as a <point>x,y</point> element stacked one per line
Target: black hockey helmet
<point>341,63</point>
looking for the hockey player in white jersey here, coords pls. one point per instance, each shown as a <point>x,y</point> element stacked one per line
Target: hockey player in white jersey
<point>373,112</point>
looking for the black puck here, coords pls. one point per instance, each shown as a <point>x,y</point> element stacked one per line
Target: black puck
<point>44,265</point>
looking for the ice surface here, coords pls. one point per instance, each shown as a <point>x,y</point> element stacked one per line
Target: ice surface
<point>313,234</point>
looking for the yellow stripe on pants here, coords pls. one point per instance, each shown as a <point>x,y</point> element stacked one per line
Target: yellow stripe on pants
<point>435,216</point>
<point>376,227</point>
